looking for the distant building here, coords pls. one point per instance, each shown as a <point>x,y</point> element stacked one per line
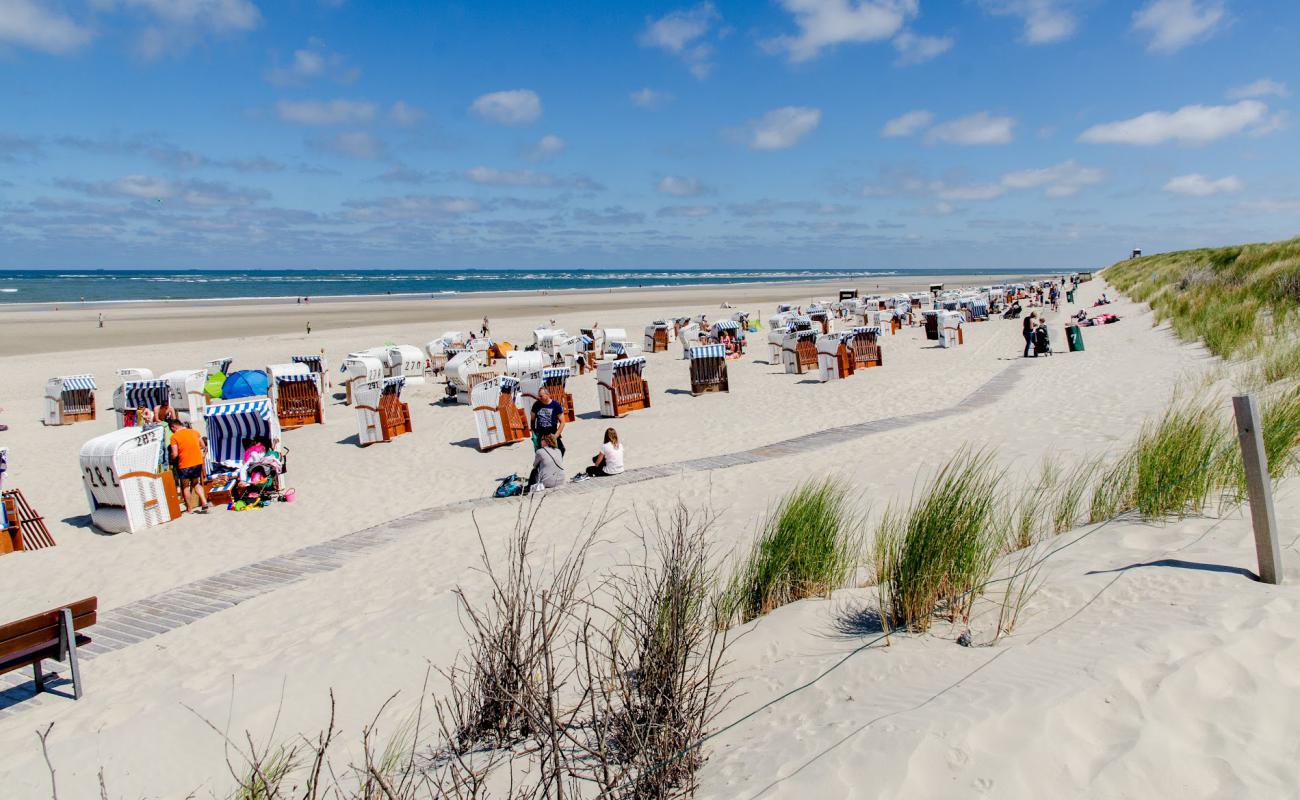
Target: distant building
<point>1136,254</point>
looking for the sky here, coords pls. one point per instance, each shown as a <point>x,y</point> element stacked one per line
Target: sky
<point>876,134</point>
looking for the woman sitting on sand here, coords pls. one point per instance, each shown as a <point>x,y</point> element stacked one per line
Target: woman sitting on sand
<point>609,461</point>
<point>548,465</point>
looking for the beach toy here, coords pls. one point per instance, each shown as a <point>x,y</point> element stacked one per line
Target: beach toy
<point>288,495</point>
<point>244,383</point>
<point>212,388</point>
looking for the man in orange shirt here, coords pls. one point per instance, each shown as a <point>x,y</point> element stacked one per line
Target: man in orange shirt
<point>187,453</point>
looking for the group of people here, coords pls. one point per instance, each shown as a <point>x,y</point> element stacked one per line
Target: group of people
<point>548,422</point>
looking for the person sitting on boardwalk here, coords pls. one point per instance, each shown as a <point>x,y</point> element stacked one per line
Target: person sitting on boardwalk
<point>548,465</point>
<point>609,461</point>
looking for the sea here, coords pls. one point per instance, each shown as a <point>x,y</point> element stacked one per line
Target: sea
<point>66,286</point>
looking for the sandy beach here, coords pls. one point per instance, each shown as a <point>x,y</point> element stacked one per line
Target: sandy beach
<point>1147,665</point>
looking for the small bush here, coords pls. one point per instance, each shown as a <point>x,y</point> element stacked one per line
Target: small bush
<point>808,547</point>
<point>937,553</point>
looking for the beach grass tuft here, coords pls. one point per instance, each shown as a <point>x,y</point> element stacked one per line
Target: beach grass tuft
<point>808,547</point>
<point>935,554</point>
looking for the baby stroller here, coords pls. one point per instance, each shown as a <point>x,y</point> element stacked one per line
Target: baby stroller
<point>1042,341</point>
<point>1013,312</point>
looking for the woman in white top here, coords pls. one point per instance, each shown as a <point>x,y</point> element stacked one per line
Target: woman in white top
<point>609,461</point>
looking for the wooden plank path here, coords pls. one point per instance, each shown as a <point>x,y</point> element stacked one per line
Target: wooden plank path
<point>157,614</point>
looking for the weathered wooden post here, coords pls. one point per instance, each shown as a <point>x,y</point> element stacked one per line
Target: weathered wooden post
<point>1259,488</point>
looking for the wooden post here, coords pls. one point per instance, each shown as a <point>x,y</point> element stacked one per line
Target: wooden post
<point>1259,488</point>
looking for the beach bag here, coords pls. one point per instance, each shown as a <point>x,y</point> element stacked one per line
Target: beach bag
<point>510,486</point>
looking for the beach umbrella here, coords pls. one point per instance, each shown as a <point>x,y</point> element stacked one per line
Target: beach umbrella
<point>244,383</point>
<point>213,386</point>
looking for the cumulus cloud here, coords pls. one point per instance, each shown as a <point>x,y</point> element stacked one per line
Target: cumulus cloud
<point>916,49</point>
<point>409,208</point>
<point>1197,185</point>
<point>1175,24</point>
<point>548,146</point>
<point>488,176</point>
<point>908,124</point>
<point>176,24</point>
<point>976,129</point>
<point>825,23</point>
<point>512,107</point>
<point>1045,21</point>
<point>325,112</point>
<point>685,34</point>
<point>650,98</point>
<point>686,212</point>
<point>1065,179</point>
<point>309,63</point>
<point>1061,180</point>
<point>681,186</point>
<point>191,193</point>
<point>783,127</point>
<point>403,113</point>
<point>1189,125</point>
<point>355,144</point>
<point>1260,88</point>
<point>29,24</point>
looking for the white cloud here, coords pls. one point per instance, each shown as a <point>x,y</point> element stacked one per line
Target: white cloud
<point>1061,180</point>
<point>681,186</point>
<point>651,98</point>
<point>488,176</point>
<point>546,147</point>
<point>783,127</point>
<point>403,113</point>
<point>1260,88</point>
<point>357,144</point>
<point>177,23</point>
<point>826,23</point>
<point>1189,125</point>
<point>1197,185</point>
<point>916,49</point>
<point>1046,21</point>
<point>513,107</point>
<point>409,208</point>
<point>683,33</point>
<point>1174,24</point>
<point>687,212</point>
<point>161,191</point>
<point>320,112</point>
<point>979,128</point>
<point>29,24</point>
<point>910,123</point>
<point>312,62</point>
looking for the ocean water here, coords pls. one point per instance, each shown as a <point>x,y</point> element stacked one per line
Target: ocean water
<point>52,286</point>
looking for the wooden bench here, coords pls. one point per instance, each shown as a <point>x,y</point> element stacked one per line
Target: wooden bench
<point>50,634</point>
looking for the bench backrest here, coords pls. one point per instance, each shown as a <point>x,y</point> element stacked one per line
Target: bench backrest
<point>42,630</point>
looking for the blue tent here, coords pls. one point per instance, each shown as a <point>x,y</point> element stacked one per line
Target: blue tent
<point>244,383</point>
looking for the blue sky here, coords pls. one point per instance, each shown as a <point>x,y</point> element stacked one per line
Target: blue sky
<point>790,133</point>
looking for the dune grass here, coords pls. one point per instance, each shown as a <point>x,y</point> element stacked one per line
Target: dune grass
<point>808,546</point>
<point>936,554</point>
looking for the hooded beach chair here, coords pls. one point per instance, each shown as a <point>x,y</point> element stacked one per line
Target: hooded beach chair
<point>318,366</point>
<point>69,399</point>
<point>834,357</point>
<point>708,369</point>
<point>658,335</point>
<point>296,392</point>
<point>129,485</point>
<point>799,351</point>
<point>864,340</point>
<point>381,414</point>
<point>497,416</point>
<point>136,394</point>
<point>728,333</point>
<point>359,368</point>
<point>555,379</point>
<point>622,387</point>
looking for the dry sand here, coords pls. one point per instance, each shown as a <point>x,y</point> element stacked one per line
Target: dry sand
<point>1178,677</point>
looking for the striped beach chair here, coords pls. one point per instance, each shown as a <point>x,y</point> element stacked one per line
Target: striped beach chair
<point>708,369</point>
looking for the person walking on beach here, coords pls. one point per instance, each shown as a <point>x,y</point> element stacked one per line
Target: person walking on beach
<point>609,461</point>
<point>485,327</point>
<point>187,452</point>
<point>101,319</point>
<point>547,419</point>
<point>1031,322</point>
<point>309,327</point>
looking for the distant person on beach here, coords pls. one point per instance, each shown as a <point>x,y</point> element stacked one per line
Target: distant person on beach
<point>187,453</point>
<point>547,419</point>
<point>485,326</point>
<point>101,319</point>
<point>548,464</point>
<point>609,461</point>
<point>309,327</point>
<point>1031,322</point>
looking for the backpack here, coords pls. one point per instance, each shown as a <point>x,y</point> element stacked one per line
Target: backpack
<point>510,486</point>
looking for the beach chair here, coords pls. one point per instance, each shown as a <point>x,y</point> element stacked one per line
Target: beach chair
<point>129,485</point>
<point>622,387</point>
<point>864,341</point>
<point>228,423</point>
<point>799,351</point>
<point>464,371</point>
<point>835,359</point>
<point>381,414</point>
<point>594,342</point>
<point>185,393</point>
<point>497,416</point>
<point>52,635</point>
<point>657,336</point>
<point>317,365</point>
<point>358,368</point>
<point>406,361</point>
<point>219,366</point>
<point>708,369</point>
<point>931,319</point>
<point>688,337</point>
<point>618,336</point>
<point>821,318</point>
<point>137,394</point>
<point>950,328</point>
<point>296,392</point>
<point>555,379</point>
<point>69,399</point>
<point>728,333</point>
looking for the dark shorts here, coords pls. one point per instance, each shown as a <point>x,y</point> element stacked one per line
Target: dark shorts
<point>191,473</point>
